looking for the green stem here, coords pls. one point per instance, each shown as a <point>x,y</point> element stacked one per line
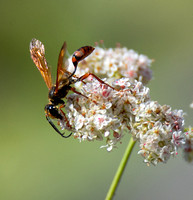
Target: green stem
<point>120,170</point>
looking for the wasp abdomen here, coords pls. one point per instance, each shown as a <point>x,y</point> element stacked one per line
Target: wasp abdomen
<point>81,53</point>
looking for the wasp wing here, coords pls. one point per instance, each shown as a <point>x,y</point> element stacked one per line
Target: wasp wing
<point>62,73</point>
<point>37,52</point>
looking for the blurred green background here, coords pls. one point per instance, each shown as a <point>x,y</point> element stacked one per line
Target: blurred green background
<point>35,162</point>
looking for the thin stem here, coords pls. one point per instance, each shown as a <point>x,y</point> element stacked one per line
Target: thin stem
<point>120,170</point>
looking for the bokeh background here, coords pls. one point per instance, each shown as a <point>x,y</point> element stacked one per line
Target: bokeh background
<point>35,162</point>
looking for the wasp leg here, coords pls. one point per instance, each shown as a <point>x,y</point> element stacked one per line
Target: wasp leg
<point>74,90</point>
<point>56,129</point>
<point>65,118</point>
<point>98,79</point>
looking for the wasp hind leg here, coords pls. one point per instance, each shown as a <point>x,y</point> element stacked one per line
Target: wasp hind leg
<point>97,78</point>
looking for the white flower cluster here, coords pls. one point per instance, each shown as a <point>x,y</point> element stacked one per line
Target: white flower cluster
<point>102,112</point>
<point>106,112</point>
<point>110,113</point>
<point>116,63</point>
<point>188,145</point>
<point>159,131</point>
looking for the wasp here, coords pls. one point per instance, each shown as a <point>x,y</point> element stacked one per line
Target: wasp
<point>64,79</point>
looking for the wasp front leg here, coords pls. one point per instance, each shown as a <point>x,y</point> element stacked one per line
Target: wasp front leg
<point>64,117</point>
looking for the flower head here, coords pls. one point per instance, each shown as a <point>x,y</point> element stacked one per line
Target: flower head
<point>159,131</point>
<point>116,63</point>
<point>109,114</point>
<point>188,145</point>
<point>106,113</point>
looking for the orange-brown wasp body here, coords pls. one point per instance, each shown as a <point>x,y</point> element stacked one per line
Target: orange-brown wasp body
<point>64,78</point>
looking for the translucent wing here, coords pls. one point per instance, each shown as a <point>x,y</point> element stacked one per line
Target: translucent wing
<point>37,52</point>
<point>62,73</point>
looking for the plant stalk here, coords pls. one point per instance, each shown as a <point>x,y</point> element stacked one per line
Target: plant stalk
<point>120,170</point>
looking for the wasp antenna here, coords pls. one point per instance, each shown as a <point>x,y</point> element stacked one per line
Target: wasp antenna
<point>56,129</point>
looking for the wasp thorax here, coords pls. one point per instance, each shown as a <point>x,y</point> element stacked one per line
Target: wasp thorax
<point>51,93</point>
<point>54,97</point>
